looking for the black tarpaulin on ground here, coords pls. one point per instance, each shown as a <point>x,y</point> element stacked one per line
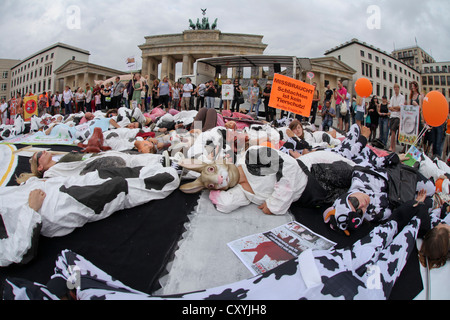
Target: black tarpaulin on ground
<point>135,245</point>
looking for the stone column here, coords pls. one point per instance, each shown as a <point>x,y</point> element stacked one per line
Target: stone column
<point>165,66</point>
<point>188,64</point>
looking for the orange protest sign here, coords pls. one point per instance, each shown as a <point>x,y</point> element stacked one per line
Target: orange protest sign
<point>291,95</point>
<point>30,107</point>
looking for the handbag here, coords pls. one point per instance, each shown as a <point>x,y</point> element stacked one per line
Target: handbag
<point>344,108</point>
<point>240,99</point>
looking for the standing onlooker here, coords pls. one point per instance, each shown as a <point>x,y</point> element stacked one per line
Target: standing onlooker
<point>340,95</point>
<point>67,99</point>
<point>395,105</point>
<point>238,91</point>
<point>328,94</point>
<point>255,93</point>
<point>360,110</point>
<point>315,103</point>
<point>353,109</point>
<point>270,112</point>
<point>176,96</point>
<point>43,103</point>
<point>80,97</point>
<point>106,93</point>
<point>117,94</point>
<point>4,111</point>
<point>155,100</point>
<point>88,105</point>
<point>210,94</point>
<point>384,114</point>
<point>138,86</point>
<point>200,92</point>
<point>187,92</point>
<point>374,117</point>
<point>98,100</point>
<point>163,93</point>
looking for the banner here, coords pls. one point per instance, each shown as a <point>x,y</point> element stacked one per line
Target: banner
<point>131,63</point>
<point>227,92</point>
<point>291,95</point>
<point>409,124</point>
<point>30,107</point>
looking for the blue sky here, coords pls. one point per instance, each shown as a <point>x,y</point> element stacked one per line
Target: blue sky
<point>112,30</point>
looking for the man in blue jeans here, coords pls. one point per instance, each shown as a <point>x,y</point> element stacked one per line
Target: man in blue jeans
<point>328,114</point>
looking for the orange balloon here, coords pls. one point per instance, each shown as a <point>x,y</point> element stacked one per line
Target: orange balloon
<point>363,87</point>
<point>435,109</point>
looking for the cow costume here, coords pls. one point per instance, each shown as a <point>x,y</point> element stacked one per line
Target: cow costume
<point>371,178</point>
<point>366,270</point>
<point>72,201</point>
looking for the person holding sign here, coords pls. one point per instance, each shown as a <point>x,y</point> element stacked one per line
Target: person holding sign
<point>397,101</point>
<point>227,94</point>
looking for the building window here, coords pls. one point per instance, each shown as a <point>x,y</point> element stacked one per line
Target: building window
<point>52,55</point>
<point>426,70</point>
<point>430,80</point>
<point>436,80</point>
<point>444,69</point>
<point>448,80</point>
<point>362,53</point>
<point>390,77</point>
<point>396,79</point>
<point>443,91</point>
<point>377,59</point>
<point>384,75</point>
<point>4,86</point>
<point>5,75</point>
<point>370,56</point>
<point>443,82</point>
<point>377,72</point>
<point>390,64</point>
<point>424,81</point>
<point>378,89</point>
<point>395,67</point>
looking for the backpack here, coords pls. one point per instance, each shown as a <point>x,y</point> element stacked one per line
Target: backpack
<point>401,182</point>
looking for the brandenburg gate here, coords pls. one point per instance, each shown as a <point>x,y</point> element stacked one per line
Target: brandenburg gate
<point>201,41</point>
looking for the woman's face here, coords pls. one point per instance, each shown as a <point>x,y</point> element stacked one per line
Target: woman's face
<point>298,130</point>
<point>362,201</point>
<point>43,160</point>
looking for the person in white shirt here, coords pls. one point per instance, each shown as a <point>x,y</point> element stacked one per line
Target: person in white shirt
<point>4,111</point>
<point>67,99</point>
<point>187,91</point>
<point>395,105</point>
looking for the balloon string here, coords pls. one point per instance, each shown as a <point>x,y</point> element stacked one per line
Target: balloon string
<point>419,137</point>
